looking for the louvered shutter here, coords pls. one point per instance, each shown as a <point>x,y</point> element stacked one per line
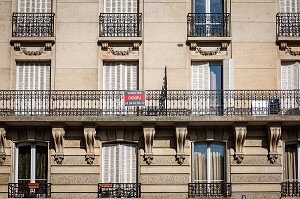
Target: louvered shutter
<point>228,84</point>
<point>290,76</point>
<point>33,76</point>
<point>289,6</point>
<point>119,163</point>
<point>200,83</point>
<point>34,6</point>
<point>120,6</point>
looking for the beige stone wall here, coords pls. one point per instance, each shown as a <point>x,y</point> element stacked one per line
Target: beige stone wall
<point>256,176</point>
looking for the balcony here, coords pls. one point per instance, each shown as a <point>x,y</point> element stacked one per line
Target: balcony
<point>29,190</point>
<point>157,103</point>
<point>33,25</point>
<point>209,190</point>
<point>119,190</point>
<point>290,189</point>
<point>120,25</point>
<point>288,31</point>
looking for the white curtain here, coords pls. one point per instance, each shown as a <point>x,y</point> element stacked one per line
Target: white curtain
<point>292,6</point>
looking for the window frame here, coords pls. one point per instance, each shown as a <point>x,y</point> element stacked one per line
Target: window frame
<point>297,160</point>
<point>225,177</point>
<point>136,161</point>
<point>32,160</point>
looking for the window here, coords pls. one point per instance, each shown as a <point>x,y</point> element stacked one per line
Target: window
<point>119,163</point>
<point>291,163</point>
<point>31,163</point>
<point>120,76</point>
<point>209,18</point>
<point>207,79</point>
<point>209,163</point>
<point>33,85</point>
<point>34,6</point>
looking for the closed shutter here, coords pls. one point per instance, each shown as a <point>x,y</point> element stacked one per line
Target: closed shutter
<point>32,77</point>
<point>34,6</point>
<point>120,76</point>
<point>290,76</point>
<point>201,87</point>
<point>289,6</point>
<point>120,6</point>
<point>200,76</point>
<point>119,163</point>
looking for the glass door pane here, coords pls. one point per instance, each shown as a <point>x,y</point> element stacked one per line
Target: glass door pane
<point>200,163</point>
<point>24,163</point>
<point>217,155</point>
<point>41,165</point>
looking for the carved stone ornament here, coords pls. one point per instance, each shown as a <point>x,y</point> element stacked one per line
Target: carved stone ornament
<point>2,145</point>
<point>240,132</point>
<point>181,133</point>
<point>17,46</point>
<point>208,52</point>
<point>274,135</point>
<point>148,137</point>
<point>104,46</point>
<point>32,53</point>
<point>89,136</point>
<point>58,138</point>
<point>119,52</point>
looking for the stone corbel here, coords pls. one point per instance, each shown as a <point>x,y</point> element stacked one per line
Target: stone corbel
<point>58,138</point>
<point>89,136</point>
<point>240,132</point>
<point>224,46</point>
<point>17,46</point>
<point>48,46</point>
<point>193,46</point>
<point>274,134</point>
<point>149,133</point>
<point>136,46</point>
<point>283,46</point>
<point>2,145</point>
<point>181,133</point>
<point>104,46</point>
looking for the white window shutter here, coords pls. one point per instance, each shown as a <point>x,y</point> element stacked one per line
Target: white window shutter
<point>200,76</point>
<point>34,6</point>
<point>290,76</point>
<point>228,74</point>
<point>120,6</point>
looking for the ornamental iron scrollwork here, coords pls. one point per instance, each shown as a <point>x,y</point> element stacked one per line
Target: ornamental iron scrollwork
<point>120,25</point>
<point>33,25</point>
<point>288,24</point>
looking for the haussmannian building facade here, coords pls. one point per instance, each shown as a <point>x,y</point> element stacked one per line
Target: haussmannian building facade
<point>151,99</point>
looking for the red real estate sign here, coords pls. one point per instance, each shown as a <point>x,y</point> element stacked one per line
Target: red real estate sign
<point>134,98</point>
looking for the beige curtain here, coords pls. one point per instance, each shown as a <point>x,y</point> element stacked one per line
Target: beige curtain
<point>291,163</point>
<point>216,163</point>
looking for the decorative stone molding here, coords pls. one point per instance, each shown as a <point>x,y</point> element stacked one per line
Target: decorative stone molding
<point>283,46</point>
<point>58,138</point>
<point>106,47</point>
<point>274,134</point>
<point>240,132</point>
<point>223,47</point>
<point>47,47</point>
<point>32,53</point>
<point>2,145</point>
<point>181,133</point>
<point>89,136</point>
<point>149,133</point>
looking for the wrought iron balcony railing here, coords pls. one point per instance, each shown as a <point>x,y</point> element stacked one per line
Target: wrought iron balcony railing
<point>119,190</point>
<point>208,25</point>
<point>120,25</point>
<point>290,189</point>
<point>29,190</point>
<point>209,190</point>
<point>157,103</point>
<point>33,25</point>
<point>288,24</point>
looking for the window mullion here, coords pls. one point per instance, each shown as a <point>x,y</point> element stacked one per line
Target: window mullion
<point>208,163</point>
<point>32,160</point>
